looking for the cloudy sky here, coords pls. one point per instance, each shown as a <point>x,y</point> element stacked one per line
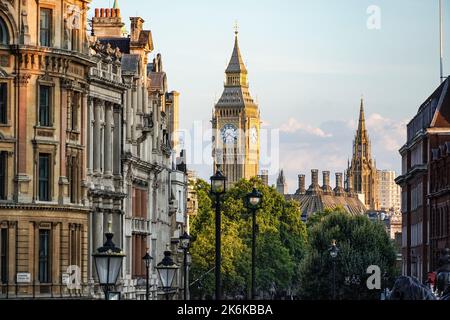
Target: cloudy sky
<point>309,63</point>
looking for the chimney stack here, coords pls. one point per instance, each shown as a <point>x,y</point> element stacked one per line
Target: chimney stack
<point>339,190</point>
<point>107,23</point>
<point>314,188</point>
<point>301,184</point>
<point>137,24</point>
<point>326,182</point>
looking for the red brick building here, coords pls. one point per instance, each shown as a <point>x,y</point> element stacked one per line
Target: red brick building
<point>425,183</point>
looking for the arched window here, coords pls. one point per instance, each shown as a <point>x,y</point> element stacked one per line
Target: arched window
<point>4,35</point>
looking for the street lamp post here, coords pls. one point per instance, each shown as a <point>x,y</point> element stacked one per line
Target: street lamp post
<point>334,250</point>
<point>167,270</point>
<point>108,263</point>
<point>385,288</point>
<point>185,242</point>
<point>218,188</point>
<point>253,201</point>
<point>147,260</point>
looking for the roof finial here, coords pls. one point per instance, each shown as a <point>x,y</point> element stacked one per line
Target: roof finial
<point>236,28</point>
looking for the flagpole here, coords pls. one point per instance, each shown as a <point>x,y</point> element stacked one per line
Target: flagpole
<point>441,39</point>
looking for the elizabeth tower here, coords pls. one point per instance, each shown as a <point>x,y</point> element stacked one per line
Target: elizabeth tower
<point>236,124</point>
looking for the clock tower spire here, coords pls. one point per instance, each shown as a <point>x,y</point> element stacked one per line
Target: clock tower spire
<point>236,123</point>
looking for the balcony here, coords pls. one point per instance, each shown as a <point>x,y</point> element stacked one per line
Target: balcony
<point>140,226</point>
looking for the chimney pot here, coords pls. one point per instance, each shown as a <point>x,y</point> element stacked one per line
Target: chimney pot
<point>97,12</point>
<point>301,184</point>
<point>108,12</point>
<point>118,13</point>
<point>315,177</point>
<point>113,13</point>
<point>102,12</point>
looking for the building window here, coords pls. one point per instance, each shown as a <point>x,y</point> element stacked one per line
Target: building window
<point>4,256</point>
<point>44,256</point>
<point>139,250</point>
<point>72,173</point>
<point>3,174</point>
<point>44,106</point>
<point>4,34</point>
<point>44,177</point>
<point>3,103</point>
<point>74,110</point>
<point>45,27</point>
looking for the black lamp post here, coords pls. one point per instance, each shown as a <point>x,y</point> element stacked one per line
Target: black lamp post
<point>334,250</point>
<point>147,260</point>
<point>167,270</point>
<point>253,201</point>
<point>218,188</point>
<point>108,263</point>
<point>185,242</point>
<point>385,283</point>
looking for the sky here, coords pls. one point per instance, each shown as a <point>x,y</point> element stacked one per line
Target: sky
<point>309,63</point>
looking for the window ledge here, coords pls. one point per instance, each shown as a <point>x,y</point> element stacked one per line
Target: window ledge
<point>45,128</point>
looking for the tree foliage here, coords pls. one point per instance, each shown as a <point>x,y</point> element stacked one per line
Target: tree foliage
<point>281,242</point>
<point>361,242</point>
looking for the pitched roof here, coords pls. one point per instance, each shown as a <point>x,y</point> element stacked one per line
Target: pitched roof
<point>157,81</point>
<point>311,204</point>
<point>236,64</point>
<point>130,63</point>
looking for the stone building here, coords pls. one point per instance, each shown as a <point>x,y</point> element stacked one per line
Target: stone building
<point>362,172</point>
<point>236,124</point>
<point>154,209</point>
<point>318,197</point>
<point>282,186</point>
<point>425,185</point>
<point>104,147</point>
<point>44,214</point>
<point>388,191</point>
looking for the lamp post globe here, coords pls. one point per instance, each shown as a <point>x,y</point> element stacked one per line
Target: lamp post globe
<point>254,199</point>
<point>108,263</point>
<point>334,250</point>
<point>147,260</point>
<point>218,183</point>
<point>252,203</point>
<point>167,270</point>
<point>185,241</point>
<point>218,188</point>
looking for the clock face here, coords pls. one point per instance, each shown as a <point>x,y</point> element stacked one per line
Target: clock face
<point>229,134</point>
<point>253,135</point>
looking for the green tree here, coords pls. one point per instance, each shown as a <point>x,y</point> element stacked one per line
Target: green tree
<point>361,242</point>
<point>281,241</point>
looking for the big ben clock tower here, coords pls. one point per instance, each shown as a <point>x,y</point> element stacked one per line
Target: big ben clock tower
<point>236,120</point>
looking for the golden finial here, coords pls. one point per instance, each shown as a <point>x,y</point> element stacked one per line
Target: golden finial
<point>236,27</point>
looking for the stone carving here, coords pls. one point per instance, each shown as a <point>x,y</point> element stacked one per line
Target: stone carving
<point>107,51</point>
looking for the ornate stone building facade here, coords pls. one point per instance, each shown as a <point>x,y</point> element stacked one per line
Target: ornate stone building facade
<point>44,214</point>
<point>362,172</point>
<point>236,124</point>
<point>154,208</point>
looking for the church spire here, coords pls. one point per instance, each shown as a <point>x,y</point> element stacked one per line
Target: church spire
<point>236,64</point>
<point>362,119</point>
<point>116,4</point>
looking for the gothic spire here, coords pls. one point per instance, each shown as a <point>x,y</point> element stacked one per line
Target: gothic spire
<point>362,119</point>
<point>116,4</point>
<point>236,64</point>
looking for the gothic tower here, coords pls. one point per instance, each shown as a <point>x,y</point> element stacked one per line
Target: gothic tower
<point>362,172</point>
<point>235,123</point>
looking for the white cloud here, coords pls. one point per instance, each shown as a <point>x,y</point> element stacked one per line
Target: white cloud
<point>293,125</point>
<point>329,146</point>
